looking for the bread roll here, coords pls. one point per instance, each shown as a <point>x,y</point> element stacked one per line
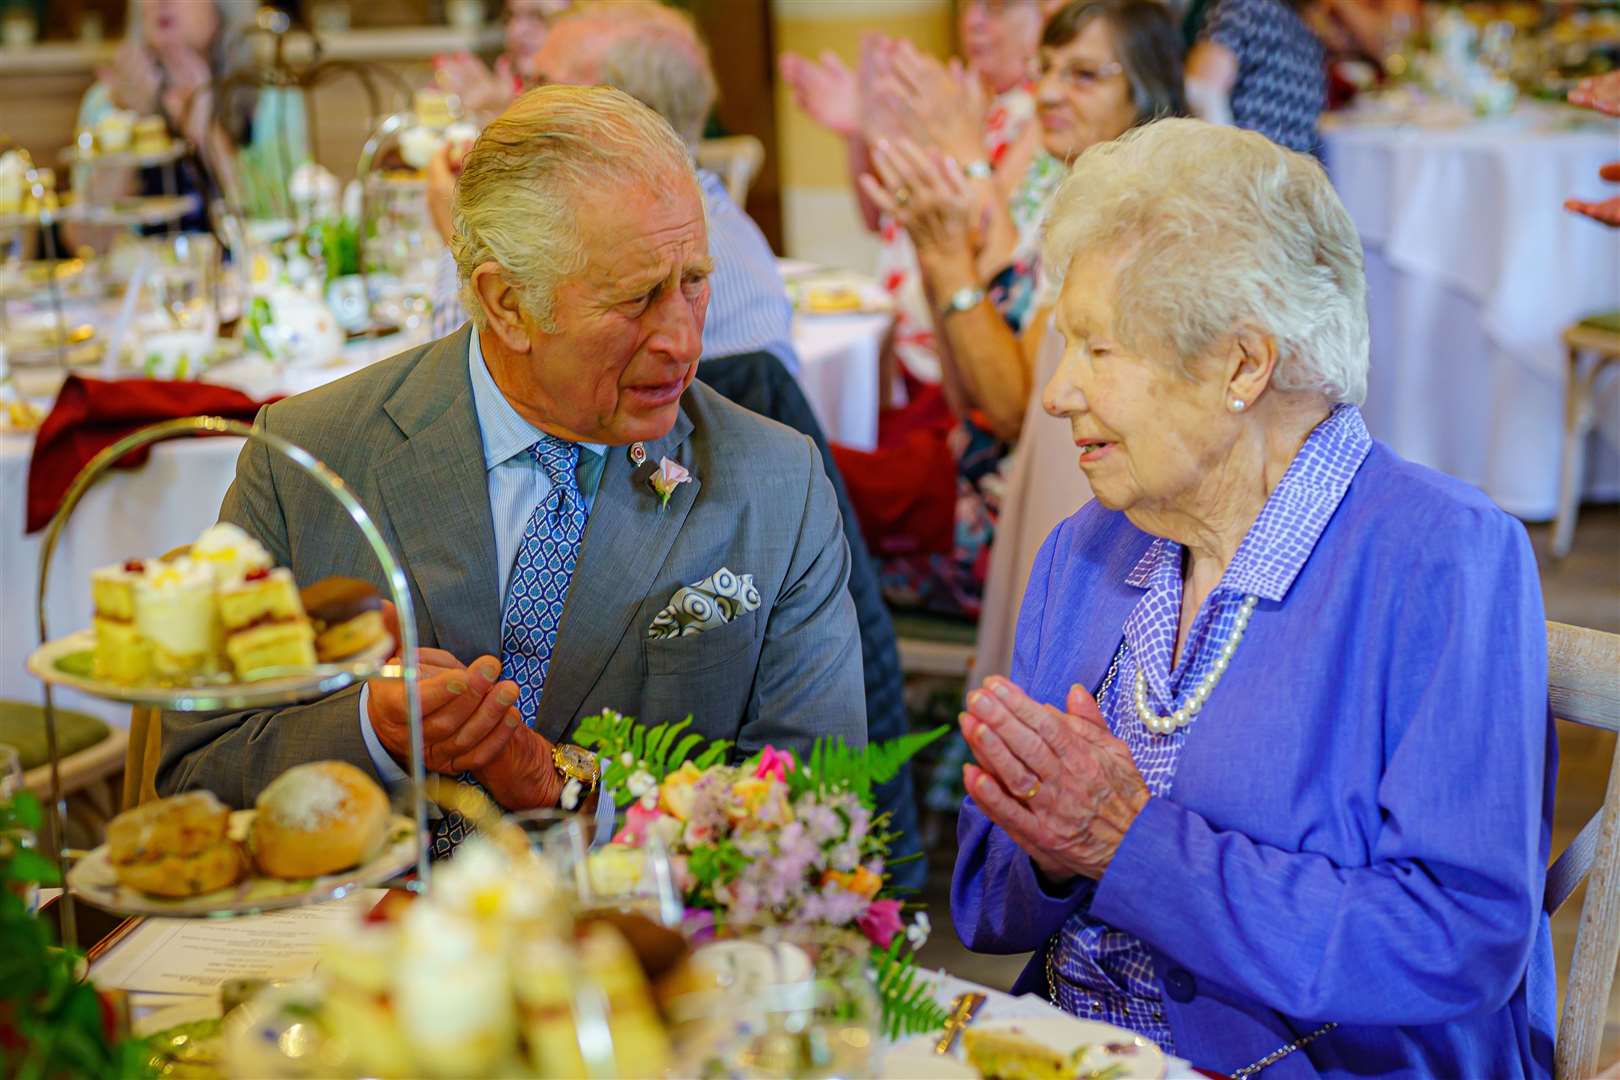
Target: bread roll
<point>180,825</point>
<point>318,819</point>
<point>174,876</point>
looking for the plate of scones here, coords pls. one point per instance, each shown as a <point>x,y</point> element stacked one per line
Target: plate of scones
<point>316,831</point>
<point>215,625</point>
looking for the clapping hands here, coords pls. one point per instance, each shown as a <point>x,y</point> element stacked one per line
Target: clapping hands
<point>826,89</point>
<point>1600,93</point>
<point>481,89</point>
<point>928,194</point>
<point>1059,783</point>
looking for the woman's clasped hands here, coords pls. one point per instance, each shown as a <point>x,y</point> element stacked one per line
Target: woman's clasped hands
<point>1060,784</point>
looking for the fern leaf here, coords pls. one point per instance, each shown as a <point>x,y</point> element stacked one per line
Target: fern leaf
<point>712,754</point>
<point>908,1003</point>
<point>682,749</point>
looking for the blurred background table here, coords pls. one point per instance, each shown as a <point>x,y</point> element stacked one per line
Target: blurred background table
<point>1474,269</point>
<point>177,493</point>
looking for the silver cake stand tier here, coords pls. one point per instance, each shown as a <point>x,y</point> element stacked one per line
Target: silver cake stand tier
<point>205,698</point>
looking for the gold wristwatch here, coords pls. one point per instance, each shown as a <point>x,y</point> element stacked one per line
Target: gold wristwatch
<point>577,763</point>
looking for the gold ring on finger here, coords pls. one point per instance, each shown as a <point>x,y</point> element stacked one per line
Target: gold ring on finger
<point>1034,789</point>
<point>902,196</point>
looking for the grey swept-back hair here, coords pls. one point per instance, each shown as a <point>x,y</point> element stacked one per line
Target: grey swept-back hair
<point>515,201</point>
<point>1218,229</point>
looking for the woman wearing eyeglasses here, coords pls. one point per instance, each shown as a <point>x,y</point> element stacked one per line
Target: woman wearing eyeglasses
<point>1103,67</point>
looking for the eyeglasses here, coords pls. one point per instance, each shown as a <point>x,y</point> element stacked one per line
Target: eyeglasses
<point>1076,76</point>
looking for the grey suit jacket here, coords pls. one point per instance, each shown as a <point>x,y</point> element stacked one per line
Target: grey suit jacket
<point>403,434</point>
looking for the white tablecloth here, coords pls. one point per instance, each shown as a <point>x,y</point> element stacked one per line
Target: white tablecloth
<point>177,493</point>
<point>1474,269</point>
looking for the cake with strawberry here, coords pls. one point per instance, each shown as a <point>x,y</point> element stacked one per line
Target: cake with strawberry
<point>264,623</point>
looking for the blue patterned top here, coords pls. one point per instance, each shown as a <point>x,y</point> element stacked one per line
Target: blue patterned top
<point>1103,973</point>
<point>1281,86</point>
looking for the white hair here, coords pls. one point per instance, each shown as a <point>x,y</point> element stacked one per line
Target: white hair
<point>655,54</point>
<point>516,197</point>
<point>1218,229</point>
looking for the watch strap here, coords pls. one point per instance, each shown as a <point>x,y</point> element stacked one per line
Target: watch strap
<point>964,299</point>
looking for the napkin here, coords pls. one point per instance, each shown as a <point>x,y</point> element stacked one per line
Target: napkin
<point>712,602</point>
<point>92,414</point>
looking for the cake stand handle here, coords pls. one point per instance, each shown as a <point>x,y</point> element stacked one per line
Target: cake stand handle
<point>334,485</point>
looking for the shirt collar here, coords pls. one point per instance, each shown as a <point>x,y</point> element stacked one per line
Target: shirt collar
<point>1282,538</point>
<point>504,433</point>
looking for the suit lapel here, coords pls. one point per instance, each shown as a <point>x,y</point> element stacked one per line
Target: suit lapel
<point>626,543</point>
<point>437,495</point>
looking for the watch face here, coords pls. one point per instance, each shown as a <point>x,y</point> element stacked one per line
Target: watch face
<point>577,761</point>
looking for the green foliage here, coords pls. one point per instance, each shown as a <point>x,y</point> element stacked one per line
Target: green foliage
<point>50,1022</point>
<point>660,750</point>
<point>835,766</point>
<point>909,1007</point>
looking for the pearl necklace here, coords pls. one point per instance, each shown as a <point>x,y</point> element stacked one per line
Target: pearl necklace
<point>1165,725</point>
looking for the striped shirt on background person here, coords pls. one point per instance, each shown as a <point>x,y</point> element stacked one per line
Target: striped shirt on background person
<point>749,309</point>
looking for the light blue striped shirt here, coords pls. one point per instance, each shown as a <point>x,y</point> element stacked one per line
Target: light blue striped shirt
<point>516,486</point>
<point>749,309</point>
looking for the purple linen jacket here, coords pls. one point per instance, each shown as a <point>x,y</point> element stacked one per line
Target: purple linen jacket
<point>1359,824</point>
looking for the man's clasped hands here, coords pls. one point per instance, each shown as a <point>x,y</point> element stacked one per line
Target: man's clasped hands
<point>470,723</point>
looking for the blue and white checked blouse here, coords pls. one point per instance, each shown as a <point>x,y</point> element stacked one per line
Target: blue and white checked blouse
<point>1102,973</point>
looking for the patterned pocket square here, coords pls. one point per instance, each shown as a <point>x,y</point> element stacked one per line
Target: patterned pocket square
<point>712,602</point>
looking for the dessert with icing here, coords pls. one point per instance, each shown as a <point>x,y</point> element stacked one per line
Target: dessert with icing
<point>317,818</point>
<point>176,613</point>
<point>221,606</point>
<point>347,614</point>
<point>229,553</point>
<point>122,655</point>
<point>265,625</point>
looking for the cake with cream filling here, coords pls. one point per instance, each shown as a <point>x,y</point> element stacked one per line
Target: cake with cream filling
<point>176,613</point>
<point>122,655</point>
<point>264,623</point>
<point>229,553</point>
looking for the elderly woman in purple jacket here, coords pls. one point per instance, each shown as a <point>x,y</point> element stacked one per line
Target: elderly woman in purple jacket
<point>1273,776</point>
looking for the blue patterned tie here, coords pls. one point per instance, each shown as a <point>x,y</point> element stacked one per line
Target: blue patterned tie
<point>535,595</point>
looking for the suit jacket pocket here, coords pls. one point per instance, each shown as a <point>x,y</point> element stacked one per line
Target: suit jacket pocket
<point>699,652</point>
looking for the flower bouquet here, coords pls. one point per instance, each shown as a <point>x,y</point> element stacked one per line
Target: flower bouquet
<point>774,843</point>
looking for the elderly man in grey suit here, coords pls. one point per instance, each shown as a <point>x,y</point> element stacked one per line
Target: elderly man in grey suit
<point>507,465</point>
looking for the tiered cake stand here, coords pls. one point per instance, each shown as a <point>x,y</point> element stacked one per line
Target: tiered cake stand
<point>165,209</point>
<point>53,665</point>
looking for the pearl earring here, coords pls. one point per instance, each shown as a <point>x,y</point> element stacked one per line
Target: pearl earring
<point>1237,404</point>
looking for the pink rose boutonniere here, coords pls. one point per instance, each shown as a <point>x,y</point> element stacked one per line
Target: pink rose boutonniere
<point>670,475</point>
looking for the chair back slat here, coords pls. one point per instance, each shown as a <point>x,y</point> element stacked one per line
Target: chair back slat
<point>1583,676</point>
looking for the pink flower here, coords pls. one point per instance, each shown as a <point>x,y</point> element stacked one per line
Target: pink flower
<point>880,922</point>
<point>636,821</point>
<point>774,763</point>
<point>670,475</point>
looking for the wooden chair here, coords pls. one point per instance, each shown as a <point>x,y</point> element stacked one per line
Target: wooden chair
<point>1592,344</point>
<point>736,159</point>
<point>90,785</point>
<point>141,756</point>
<point>1584,687</point>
